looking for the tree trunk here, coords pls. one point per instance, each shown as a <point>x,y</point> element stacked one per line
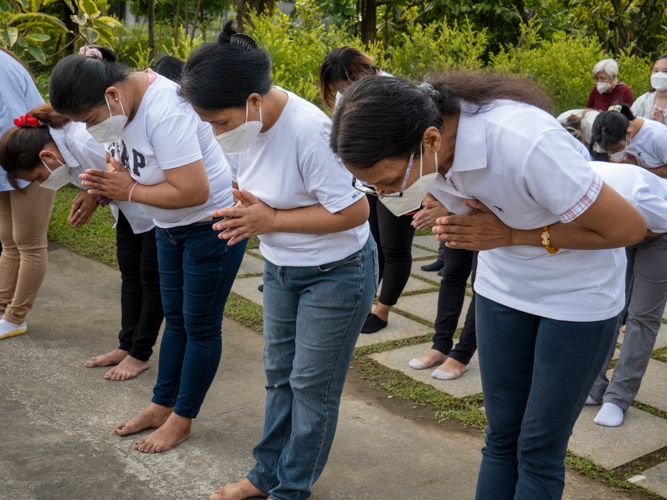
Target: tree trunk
<point>177,20</point>
<point>194,23</point>
<point>151,29</point>
<point>186,19</point>
<point>368,21</point>
<point>72,27</point>
<point>245,7</point>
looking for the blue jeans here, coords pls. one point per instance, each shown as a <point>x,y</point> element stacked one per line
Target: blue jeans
<point>536,374</point>
<point>196,274</point>
<point>312,318</point>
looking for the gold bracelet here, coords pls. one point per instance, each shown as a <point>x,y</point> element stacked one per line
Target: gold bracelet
<point>546,241</point>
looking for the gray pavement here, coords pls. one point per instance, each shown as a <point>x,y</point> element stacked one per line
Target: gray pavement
<point>56,439</point>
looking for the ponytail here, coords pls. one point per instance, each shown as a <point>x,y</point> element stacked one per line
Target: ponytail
<point>20,146</point>
<point>78,82</point>
<point>386,117</point>
<point>611,127</point>
<point>223,74</point>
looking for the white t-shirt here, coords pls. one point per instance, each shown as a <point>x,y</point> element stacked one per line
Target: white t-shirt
<point>81,152</point>
<point>646,191</point>
<point>649,146</point>
<point>523,165</point>
<point>291,166</point>
<point>166,133</point>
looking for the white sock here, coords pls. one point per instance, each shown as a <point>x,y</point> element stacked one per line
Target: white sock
<point>610,415</point>
<point>443,375</point>
<point>416,364</point>
<point>8,329</point>
<point>591,401</point>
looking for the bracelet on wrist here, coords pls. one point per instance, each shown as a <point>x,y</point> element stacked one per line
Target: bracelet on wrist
<point>129,196</point>
<point>546,241</point>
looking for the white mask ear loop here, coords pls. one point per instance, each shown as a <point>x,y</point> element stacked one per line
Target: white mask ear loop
<point>44,163</point>
<point>246,113</point>
<point>109,106</point>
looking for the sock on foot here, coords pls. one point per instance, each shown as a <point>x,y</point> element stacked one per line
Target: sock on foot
<point>610,415</point>
<point>443,375</point>
<point>415,364</point>
<point>591,401</point>
<point>8,329</point>
<point>373,324</point>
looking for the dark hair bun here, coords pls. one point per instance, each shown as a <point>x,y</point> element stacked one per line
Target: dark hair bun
<point>225,36</point>
<point>107,54</point>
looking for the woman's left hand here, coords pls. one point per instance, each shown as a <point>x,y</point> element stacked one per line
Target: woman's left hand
<point>115,184</point>
<point>249,217</point>
<point>83,208</point>
<point>479,229</point>
<point>426,218</point>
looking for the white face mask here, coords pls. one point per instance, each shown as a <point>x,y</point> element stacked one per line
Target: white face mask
<point>413,196</point>
<point>58,178</point>
<point>111,129</point>
<point>240,139</point>
<point>618,156</point>
<point>603,87</point>
<point>659,81</point>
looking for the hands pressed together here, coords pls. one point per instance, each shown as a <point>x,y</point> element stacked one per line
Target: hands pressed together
<point>115,184</point>
<point>479,229</point>
<point>249,217</point>
<point>83,208</point>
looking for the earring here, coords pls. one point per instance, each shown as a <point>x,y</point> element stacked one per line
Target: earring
<point>116,99</point>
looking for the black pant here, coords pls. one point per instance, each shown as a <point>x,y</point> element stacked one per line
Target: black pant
<point>458,266</point>
<point>140,299</point>
<point>393,236</point>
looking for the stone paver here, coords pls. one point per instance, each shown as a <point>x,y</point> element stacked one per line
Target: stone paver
<point>418,253</point>
<point>251,265</point>
<point>427,242</point>
<point>655,479</point>
<point>247,287</point>
<point>653,391</point>
<point>425,306</point>
<point>399,327</point>
<point>469,383</point>
<point>413,285</point>
<point>416,269</point>
<point>611,447</point>
<point>660,341</point>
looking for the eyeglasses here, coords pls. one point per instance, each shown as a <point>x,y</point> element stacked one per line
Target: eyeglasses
<point>370,189</point>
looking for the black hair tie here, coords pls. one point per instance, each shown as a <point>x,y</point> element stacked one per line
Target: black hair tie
<point>245,41</point>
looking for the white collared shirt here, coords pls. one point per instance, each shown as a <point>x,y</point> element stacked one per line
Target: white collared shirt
<point>525,167</point>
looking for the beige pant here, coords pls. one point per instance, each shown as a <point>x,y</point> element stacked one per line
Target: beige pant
<point>24,220</point>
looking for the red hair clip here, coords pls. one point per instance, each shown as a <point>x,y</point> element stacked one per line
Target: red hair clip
<point>26,121</point>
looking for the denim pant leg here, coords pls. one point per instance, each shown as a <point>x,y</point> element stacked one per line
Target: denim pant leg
<point>281,304</point>
<point>333,301</point>
<point>645,309</point>
<point>536,374</point>
<point>194,298</point>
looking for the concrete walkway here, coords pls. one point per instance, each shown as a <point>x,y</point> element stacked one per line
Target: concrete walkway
<point>56,439</point>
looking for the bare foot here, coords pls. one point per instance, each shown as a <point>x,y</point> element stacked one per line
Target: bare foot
<point>452,366</point>
<point>128,368</point>
<point>382,311</point>
<point>110,359</point>
<point>238,491</point>
<point>152,417</point>
<point>172,433</point>
<point>432,358</point>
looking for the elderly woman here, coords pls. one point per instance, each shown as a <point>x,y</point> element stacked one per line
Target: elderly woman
<point>653,104</point>
<point>608,89</point>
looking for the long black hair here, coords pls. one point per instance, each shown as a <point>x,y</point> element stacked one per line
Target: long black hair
<point>222,74</point>
<point>386,117</point>
<point>170,67</point>
<point>78,83</point>
<point>611,127</point>
<point>343,63</point>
